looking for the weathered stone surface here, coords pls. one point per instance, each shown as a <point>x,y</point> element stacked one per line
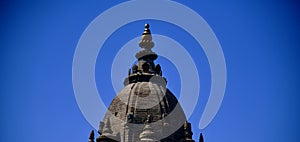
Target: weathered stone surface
<point>145,110</point>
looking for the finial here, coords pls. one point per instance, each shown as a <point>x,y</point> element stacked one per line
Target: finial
<point>147,26</point>
<point>188,132</point>
<point>146,54</point>
<point>201,138</point>
<point>147,30</point>
<point>92,136</point>
<point>146,42</point>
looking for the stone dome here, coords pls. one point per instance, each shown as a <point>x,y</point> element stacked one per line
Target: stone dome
<point>140,103</point>
<point>145,110</point>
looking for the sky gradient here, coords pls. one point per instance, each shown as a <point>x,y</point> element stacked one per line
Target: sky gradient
<point>260,41</point>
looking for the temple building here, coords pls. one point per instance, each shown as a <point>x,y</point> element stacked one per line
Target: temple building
<point>145,110</point>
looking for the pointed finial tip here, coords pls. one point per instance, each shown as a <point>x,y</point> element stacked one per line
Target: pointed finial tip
<point>92,136</point>
<point>147,30</point>
<point>201,138</point>
<point>147,26</point>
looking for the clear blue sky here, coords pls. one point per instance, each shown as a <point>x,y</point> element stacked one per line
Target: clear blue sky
<point>260,41</point>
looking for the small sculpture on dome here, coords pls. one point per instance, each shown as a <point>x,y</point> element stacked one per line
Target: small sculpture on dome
<point>149,119</point>
<point>130,118</point>
<point>134,69</point>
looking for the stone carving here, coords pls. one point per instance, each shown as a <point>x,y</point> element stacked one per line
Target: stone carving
<point>146,101</point>
<point>130,118</point>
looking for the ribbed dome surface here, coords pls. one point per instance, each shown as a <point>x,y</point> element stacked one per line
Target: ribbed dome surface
<point>143,98</point>
<point>136,103</point>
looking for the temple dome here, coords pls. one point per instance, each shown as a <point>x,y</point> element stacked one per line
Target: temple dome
<point>136,102</point>
<point>145,110</point>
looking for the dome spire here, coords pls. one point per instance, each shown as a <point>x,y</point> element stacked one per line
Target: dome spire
<point>92,136</point>
<point>146,42</point>
<point>147,30</point>
<point>145,68</point>
<point>201,138</point>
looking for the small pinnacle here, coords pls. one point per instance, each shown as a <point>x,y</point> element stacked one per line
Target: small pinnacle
<point>92,136</point>
<point>147,26</point>
<point>147,30</point>
<point>201,138</point>
<point>146,44</point>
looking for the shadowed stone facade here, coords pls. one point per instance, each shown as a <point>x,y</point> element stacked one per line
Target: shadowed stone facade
<point>145,110</point>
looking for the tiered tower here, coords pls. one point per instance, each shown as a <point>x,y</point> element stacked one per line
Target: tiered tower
<point>145,110</point>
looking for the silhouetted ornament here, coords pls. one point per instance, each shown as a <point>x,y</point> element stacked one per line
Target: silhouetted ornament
<point>158,70</point>
<point>201,139</point>
<point>92,136</point>
<point>147,30</point>
<point>188,132</point>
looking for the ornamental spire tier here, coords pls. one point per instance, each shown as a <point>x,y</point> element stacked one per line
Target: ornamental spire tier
<point>145,68</point>
<point>146,44</point>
